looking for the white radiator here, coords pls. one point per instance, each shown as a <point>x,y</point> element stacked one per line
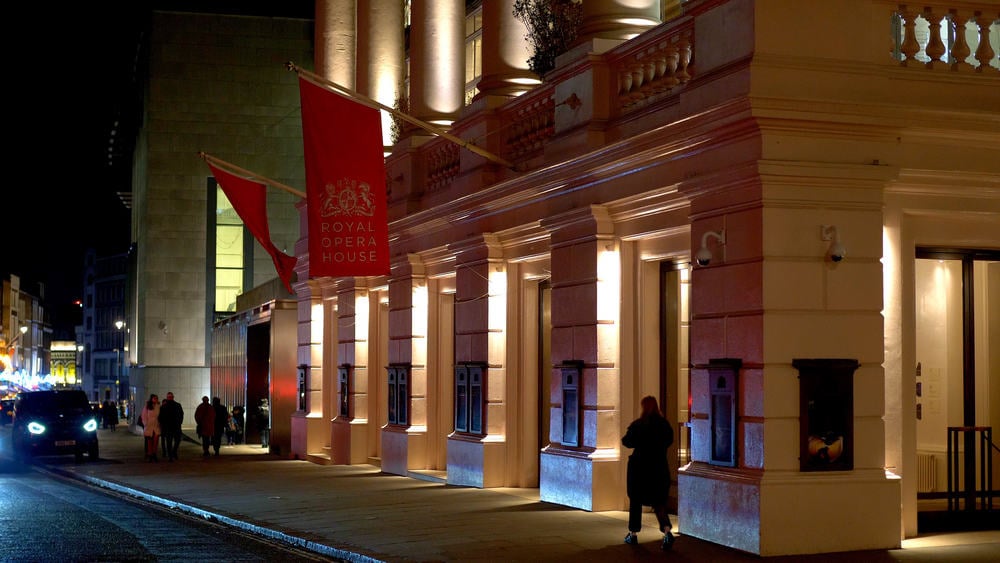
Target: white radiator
<point>926,473</point>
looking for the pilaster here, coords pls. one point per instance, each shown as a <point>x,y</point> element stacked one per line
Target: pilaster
<point>404,441</point>
<point>310,424</point>
<point>764,287</point>
<point>582,470</point>
<point>476,457</point>
<point>350,425</point>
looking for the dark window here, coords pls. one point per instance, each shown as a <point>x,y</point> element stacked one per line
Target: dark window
<point>572,370</point>
<point>399,398</point>
<point>344,380</point>
<point>469,400</point>
<point>722,416</point>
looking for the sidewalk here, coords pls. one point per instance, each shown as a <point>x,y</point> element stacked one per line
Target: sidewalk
<point>356,513</point>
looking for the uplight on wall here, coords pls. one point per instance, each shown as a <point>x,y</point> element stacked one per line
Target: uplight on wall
<point>704,254</point>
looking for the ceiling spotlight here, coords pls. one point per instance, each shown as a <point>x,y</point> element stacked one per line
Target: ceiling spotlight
<point>836,251</point>
<point>704,255</point>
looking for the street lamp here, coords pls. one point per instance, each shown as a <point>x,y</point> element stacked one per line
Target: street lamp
<point>118,363</point>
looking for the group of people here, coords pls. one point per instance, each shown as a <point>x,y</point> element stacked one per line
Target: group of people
<point>161,426</point>
<point>213,421</point>
<point>109,415</point>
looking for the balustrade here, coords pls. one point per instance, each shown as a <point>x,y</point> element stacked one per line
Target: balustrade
<point>959,37</point>
<point>656,68</point>
<point>442,162</point>
<point>528,122</point>
<point>941,37</point>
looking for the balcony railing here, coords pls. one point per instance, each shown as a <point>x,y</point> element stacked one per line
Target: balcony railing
<point>654,67</point>
<point>940,36</point>
<point>528,122</point>
<point>649,70</point>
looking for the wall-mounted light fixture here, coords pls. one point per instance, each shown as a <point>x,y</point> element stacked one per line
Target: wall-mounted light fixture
<point>836,252</point>
<point>704,255</point>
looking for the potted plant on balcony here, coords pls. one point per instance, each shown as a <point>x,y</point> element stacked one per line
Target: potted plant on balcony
<point>552,27</point>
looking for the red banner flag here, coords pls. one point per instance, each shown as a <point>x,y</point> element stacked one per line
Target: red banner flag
<point>345,185</point>
<point>249,200</point>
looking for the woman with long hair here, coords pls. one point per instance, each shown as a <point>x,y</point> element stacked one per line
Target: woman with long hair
<point>648,480</point>
<point>150,417</point>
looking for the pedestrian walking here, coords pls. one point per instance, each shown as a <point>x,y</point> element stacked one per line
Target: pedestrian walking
<point>171,420</point>
<point>109,415</point>
<point>221,421</point>
<point>204,419</point>
<point>231,430</point>
<point>150,418</point>
<point>239,421</point>
<point>264,423</point>
<point>648,472</point>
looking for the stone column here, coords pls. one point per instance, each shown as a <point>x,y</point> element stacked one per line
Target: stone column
<point>477,460</point>
<point>336,38</point>
<point>617,19</point>
<point>381,55</point>
<point>769,296</point>
<point>404,446</point>
<point>586,306</point>
<point>437,60</point>
<point>349,434</point>
<point>505,52</point>
<point>310,427</point>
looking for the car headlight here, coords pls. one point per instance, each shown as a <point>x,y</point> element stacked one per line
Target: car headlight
<point>36,428</point>
<point>90,425</point>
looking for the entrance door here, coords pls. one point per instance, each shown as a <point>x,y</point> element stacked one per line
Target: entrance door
<point>258,382</point>
<point>674,362</point>
<point>544,370</point>
<point>957,314</point>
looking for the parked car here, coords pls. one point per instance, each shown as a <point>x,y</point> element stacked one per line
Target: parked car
<point>6,411</point>
<point>54,423</point>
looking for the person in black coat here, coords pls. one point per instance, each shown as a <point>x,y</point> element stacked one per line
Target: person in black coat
<point>648,481</point>
<point>171,419</point>
<point>221,423</point>
<point>239,421</point>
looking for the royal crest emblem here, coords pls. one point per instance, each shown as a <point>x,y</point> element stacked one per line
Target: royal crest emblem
<point>349,197</point>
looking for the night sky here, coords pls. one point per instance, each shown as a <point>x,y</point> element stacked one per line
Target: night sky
<point>75,71</point>
<point>71,77</point>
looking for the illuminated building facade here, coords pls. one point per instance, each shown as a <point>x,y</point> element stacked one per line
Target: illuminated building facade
<point>759,212</point>
<point>836,184</point>
<point>64,359</point>
<point>25,333</point>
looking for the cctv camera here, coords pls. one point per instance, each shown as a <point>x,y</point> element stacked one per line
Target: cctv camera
<point>837,252</point>
<point>703,256</point>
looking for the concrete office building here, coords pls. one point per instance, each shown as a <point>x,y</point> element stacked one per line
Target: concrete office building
<point>213,83</point>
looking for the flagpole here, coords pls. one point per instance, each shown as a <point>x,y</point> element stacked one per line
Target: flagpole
<point>365,100</point>
<point>259,178</point>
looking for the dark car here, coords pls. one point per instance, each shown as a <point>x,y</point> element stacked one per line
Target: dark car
<point>54,423</point>
<point>6,411</point>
